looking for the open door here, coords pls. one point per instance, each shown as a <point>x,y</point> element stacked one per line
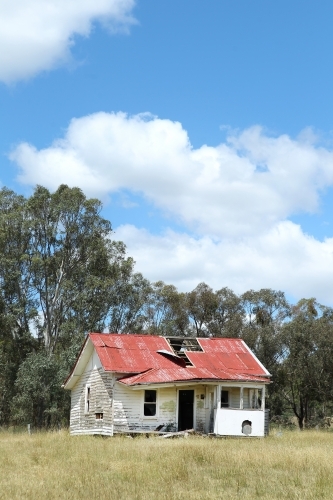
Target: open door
<point>185,410</point>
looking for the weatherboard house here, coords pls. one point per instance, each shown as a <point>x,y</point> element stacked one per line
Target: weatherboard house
<point>143,383</point>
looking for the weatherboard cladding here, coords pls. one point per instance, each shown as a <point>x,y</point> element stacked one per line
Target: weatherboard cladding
<point>128,409</point>
<point>101,396</point>
<point>221,359</point>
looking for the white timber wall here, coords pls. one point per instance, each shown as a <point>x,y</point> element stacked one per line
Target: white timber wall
<point>128,409</point>
<point>228,422</point>
<point>199,410</point>
<point>100,401</point>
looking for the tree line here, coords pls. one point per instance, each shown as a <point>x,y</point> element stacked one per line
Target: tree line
<point>62,276</point>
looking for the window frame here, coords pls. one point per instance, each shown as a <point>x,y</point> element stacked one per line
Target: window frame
<point>151,417</point>
<point>256,398</point>
<point>87,399</point>
<point>225,405</point>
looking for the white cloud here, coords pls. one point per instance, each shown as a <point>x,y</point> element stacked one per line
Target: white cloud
<point>36,35</point>
<point>241,187</point>
<point>235,198</point>
<point>283,259</point>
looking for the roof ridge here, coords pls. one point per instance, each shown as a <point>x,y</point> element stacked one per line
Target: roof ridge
<point>149,335</point>
<point>125,334</point>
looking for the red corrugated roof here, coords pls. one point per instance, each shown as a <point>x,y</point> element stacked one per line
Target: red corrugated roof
<point>132,353</point>
<point>163,375</point>
<point>220,359</point>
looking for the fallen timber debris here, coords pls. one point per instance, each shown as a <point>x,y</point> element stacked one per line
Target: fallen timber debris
<point>178,434</point>
<point>160,434</point>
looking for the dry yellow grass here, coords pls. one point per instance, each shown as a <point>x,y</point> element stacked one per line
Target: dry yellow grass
<point>56,466</point>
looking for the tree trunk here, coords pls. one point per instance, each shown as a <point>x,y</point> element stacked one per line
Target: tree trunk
<point>301,414</point>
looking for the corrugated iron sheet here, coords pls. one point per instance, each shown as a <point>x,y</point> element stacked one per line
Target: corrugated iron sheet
<point>159,376</point>
<point>220,359</point>
<point>219,345</point>
<point>132,353</point>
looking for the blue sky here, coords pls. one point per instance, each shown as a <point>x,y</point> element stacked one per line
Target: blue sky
<point>205,127</point>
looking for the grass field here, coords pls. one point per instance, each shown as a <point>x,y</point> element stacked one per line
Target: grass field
<point>294,465</point>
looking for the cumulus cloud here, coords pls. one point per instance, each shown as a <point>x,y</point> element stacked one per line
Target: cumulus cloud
<point>37,35</point>
<point>243,186</point>
<point>284,258</point>
<point>235,199</point>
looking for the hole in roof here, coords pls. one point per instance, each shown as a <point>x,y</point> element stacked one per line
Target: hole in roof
<point>180,345</point>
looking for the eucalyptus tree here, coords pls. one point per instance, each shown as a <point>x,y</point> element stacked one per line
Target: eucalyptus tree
<point>57,265</point>
<point>40,399</point>
<point>128,298</point>
<point>73,262</point>
<point>166,311</point>
<point>18,298</point>
<point>201,304</point>
<point>177,321</point>
<point>228,315</point>
<point>265,312</point>
<point>17,301</point>
<point>139,306</point>
<point>308,364</point>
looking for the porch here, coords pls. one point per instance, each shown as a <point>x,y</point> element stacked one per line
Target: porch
<point>237,410</point>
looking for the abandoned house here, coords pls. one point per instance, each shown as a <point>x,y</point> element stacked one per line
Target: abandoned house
<point>128,383</point>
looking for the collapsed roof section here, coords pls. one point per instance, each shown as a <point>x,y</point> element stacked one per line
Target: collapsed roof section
<point>181,345</point>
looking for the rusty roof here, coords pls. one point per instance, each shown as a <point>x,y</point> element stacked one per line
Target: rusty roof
<point>164,375</point>
<point>145,359</point>
<point>133,353</point>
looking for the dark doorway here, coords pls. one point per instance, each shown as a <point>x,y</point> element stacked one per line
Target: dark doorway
<point>185,410</point>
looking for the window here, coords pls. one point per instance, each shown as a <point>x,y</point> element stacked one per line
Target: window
<point>87,400</point>
<point>149,405</point>
<point>255,398</point>
<point>224,399</point>
<point>260,398</point>
<point>99,416</point>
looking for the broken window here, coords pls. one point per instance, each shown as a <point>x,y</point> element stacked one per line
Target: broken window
<point>149,405</point>
<point>87,400</point>
<point>224,399</point>
<point>259,398</point>
<point>255,396</point>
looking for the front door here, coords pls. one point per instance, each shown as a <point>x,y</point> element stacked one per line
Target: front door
<point>185,410</point>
